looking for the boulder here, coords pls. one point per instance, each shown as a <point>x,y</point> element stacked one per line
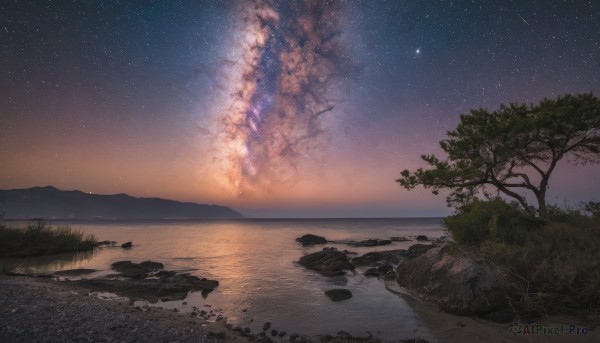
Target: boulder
<point>422,238</point>
<point>385,268</point>
<point>338,294</point>
<point>126,245</point>
<point>328,262</point>
<point>309,239</point>
<point>457,283</point>
<point>418,249</point>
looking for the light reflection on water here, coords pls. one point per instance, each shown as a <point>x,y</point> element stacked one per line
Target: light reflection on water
<point>254,262</point>
<point>47,264</point>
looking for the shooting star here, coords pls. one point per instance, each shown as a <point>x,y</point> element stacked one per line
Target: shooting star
<point>523,19</point>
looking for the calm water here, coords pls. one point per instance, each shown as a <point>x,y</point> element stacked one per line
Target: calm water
<point>254,262</point>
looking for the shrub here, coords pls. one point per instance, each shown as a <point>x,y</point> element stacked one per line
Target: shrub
<point>553,264</point>
<point>491,220</point>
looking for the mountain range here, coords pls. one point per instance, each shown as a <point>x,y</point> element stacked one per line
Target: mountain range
<point>52,203</point>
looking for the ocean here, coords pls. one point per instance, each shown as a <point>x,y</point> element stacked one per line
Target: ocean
<point>254,261</point>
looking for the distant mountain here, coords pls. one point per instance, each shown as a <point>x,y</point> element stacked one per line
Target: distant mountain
<point>51,203</point>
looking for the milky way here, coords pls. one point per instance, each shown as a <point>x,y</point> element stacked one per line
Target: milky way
<point>290,54</point>
<point>262,106</point>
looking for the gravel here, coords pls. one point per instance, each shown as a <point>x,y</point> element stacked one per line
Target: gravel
<point>44,310</point>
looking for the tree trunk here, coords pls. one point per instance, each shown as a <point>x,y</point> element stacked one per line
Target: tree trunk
<point>542,208</point>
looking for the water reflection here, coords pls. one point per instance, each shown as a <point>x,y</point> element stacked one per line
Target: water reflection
<point>259,281</point>
<point>48,263</point>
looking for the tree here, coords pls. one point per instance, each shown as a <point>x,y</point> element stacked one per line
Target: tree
<point>513,149</point>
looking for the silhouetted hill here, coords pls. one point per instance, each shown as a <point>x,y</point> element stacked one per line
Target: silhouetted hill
<point>51,203</point>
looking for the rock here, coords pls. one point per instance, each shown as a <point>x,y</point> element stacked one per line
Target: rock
<point>370,243</point>
<point>246,330</point>
<point>309,239</point>
<point>418,249</point>
<point>457,283</point>
<point>372,272</point>
<point>266,326</point>
<point>385,268</point>
<point>77,271</point>
<point>338,294</point>
<point>135,270</point>
<point>282,333</point>
<point>422,238</point>
<point>328,262</point>
<point>126,245</point>
<point>371,258</point>
<point>399,239</point>
<point>274,333</point>
<point>175,287</point>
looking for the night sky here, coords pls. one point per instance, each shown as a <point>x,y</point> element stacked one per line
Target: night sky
<point>275,108</point>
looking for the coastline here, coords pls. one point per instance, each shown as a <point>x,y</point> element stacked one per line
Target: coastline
<point>39,309</point>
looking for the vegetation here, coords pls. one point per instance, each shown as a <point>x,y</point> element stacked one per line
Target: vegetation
<point>42,239</point>
<point>550,255</point>
<point>553,265</point>
<point>513,149</point>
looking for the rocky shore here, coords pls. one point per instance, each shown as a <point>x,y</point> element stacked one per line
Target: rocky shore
<point>43,310</point>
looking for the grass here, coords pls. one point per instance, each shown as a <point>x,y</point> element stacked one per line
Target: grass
<point>553,265</point>
<point>40,238</point>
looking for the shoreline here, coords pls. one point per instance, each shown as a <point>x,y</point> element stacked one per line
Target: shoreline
<point>38,309</point>
<point>447,327</point>
<point>41,309</point>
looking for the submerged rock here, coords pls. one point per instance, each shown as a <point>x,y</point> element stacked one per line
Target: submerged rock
<point>126,245</point>
<point>399,239</point>
<point>310,239</point>
<point>422,238</point>
<point>136,270</point>
<point>457,283</point>
<point>169,288</point>
<point>328,262</point>
<point>165,285</point>
<point>338,294</point>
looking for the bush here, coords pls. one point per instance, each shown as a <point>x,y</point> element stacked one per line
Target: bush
<point>492,220</point>
<point>42,239</point>
<point>553,265</point>
<point>557,266</point>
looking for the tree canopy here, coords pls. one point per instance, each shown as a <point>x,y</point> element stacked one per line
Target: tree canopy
<point>513,150</point>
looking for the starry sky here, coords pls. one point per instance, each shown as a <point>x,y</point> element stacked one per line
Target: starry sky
<point>275,108</point>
